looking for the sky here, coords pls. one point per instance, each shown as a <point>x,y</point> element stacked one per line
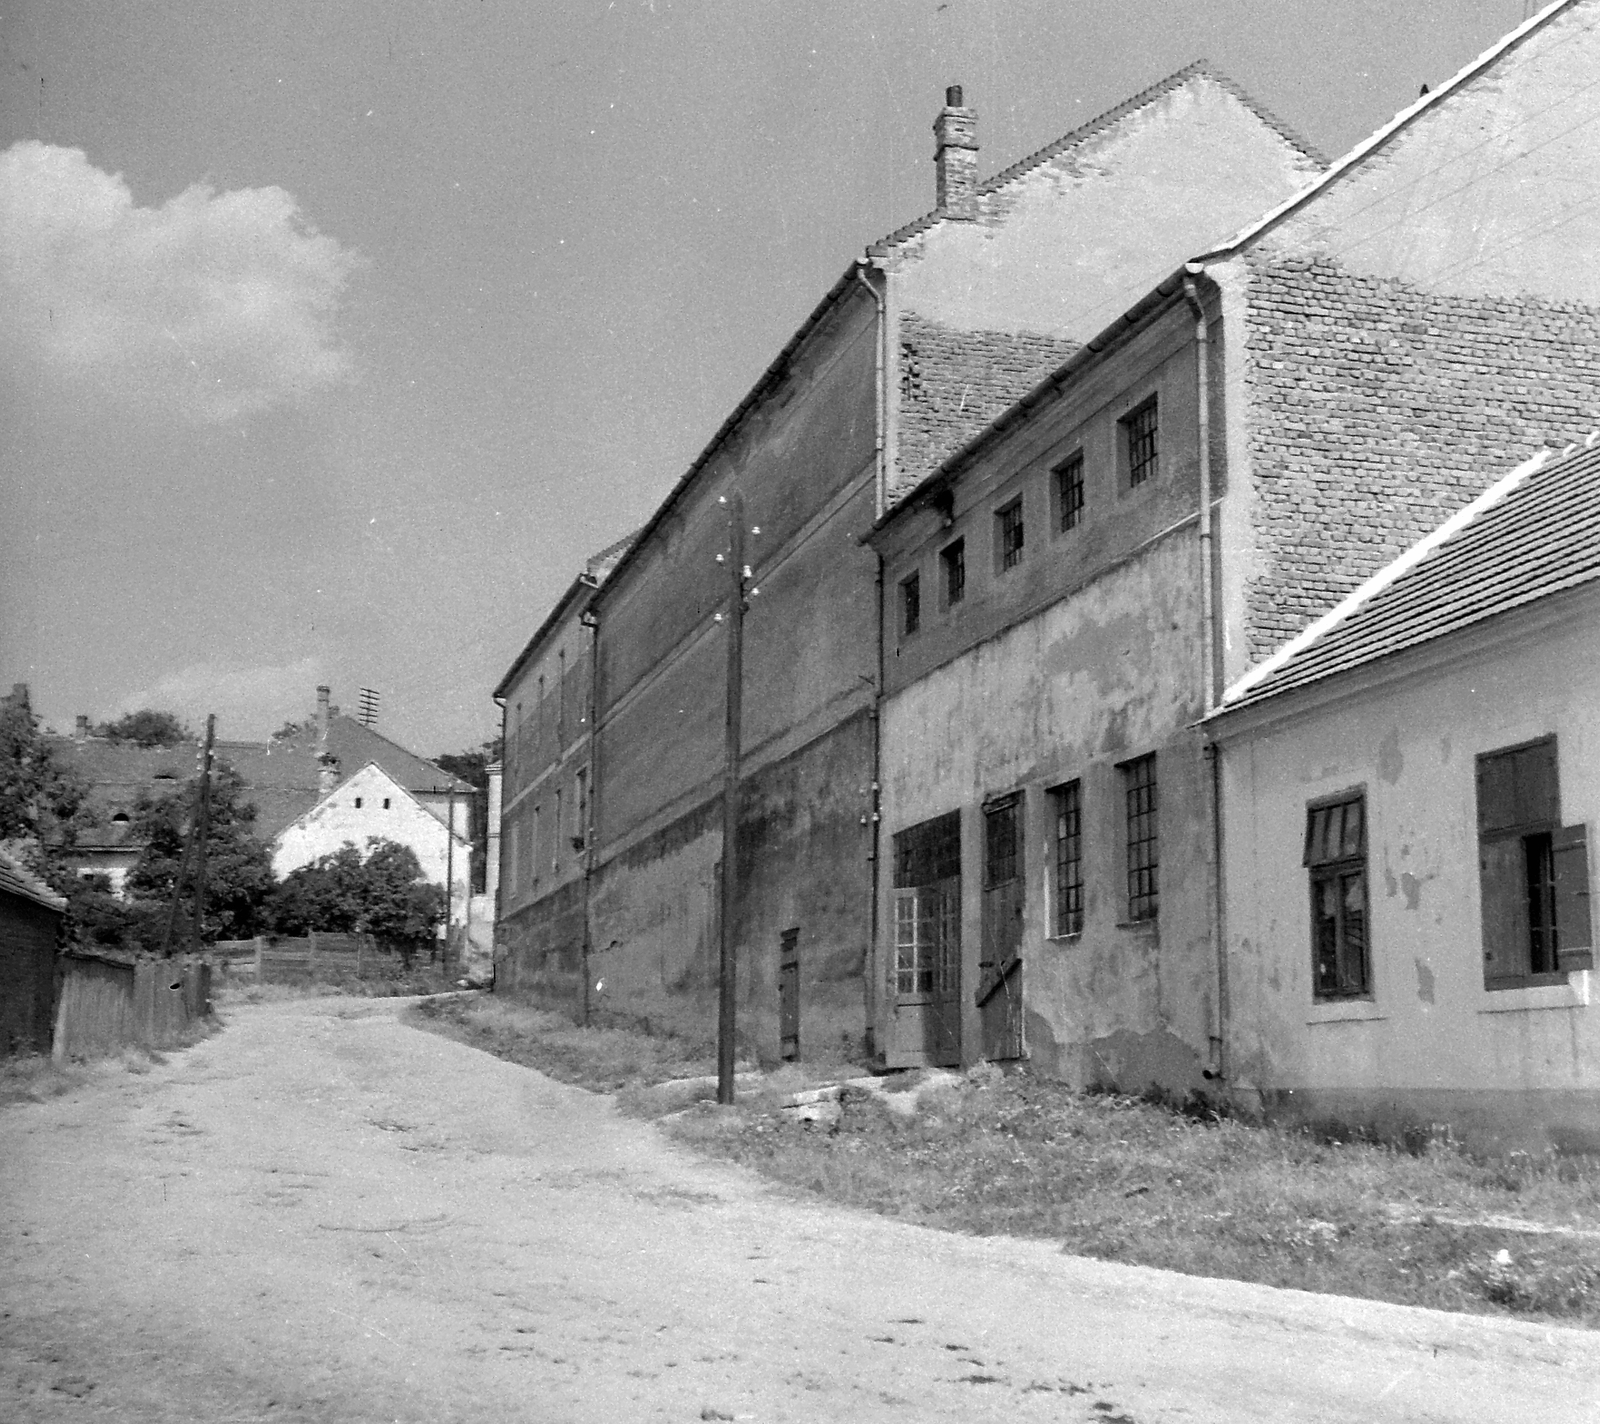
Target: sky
<point>335,335</point>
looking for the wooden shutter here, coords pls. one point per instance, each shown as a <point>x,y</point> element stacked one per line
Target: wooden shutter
<point>1574,934</point>
<point>1503,891</point>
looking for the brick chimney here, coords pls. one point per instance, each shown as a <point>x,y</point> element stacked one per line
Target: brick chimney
<point>327,773</point>
<point>80,730</point>
<point>955,157</point>
<point>324,692</point>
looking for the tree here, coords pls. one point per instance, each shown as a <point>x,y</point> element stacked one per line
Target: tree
<point>38,799</point>
<point>147,727</point>
<point>473,768</point>
<point>380,893</point>
<point>238,865</point>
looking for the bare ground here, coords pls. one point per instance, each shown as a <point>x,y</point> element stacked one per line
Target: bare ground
<point>323,1214</point>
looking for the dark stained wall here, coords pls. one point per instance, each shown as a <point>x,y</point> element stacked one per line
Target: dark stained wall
<point>28,933</point>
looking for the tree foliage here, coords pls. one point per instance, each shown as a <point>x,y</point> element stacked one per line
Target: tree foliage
<point>147,727</point>
<point>38,798</point>
<point>238,865</point>
<point>381,893</point>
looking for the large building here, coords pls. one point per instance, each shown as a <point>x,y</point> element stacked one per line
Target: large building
<point>934,332</point>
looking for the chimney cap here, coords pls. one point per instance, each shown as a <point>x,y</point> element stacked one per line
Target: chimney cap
<point>952,97</point>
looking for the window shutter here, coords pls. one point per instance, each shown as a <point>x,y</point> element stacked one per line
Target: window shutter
<point>1503,900</point>
<point>1574,935</point>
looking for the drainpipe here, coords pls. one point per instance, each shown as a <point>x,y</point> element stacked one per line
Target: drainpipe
<point>1217,1072</point>
<point>880,504</point>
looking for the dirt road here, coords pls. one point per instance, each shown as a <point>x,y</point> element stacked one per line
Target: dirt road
<point>323,1214</point>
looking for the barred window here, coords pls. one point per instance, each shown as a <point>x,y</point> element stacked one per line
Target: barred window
<point>1069,492</point>
<point>1139,436</point>
<point>1069,859</point>
<point>953,565</point>
<point>910,604</point>
<point>1008,534</point>
<point>1139,793</point>
<point>1336,856</point>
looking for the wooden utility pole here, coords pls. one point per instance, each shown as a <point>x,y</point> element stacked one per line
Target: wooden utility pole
<point>203,833</point>
<point>449,866</point>
<point>730,799</point>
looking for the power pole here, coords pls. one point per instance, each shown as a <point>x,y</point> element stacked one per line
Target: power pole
<point>737,575</point>
<point>203,833</point>
<point>449,867</point>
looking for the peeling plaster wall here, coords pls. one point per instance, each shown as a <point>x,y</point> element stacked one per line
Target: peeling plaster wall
<point>1512,1067</point>
<point>1417,329</point>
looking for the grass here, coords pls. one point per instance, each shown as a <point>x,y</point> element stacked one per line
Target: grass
<point>1123,1179</point>
<point>1119,1178</point>
<point>392,981</point>
<point>605,1060</point>
<point>36,1077</point>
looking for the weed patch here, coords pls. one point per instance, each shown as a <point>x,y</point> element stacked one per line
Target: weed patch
<point>35,1078</point>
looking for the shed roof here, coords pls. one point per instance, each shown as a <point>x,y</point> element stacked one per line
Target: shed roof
<point>14,880</point>
<point>1534,533</point>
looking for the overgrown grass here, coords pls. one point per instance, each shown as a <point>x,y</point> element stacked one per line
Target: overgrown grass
<point>390,981</point>
<point>606,1060</point>
<point>1127,1180</point>
<point>35,1078</point>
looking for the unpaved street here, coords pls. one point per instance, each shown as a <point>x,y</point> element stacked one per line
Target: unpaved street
<point>322,1214</point>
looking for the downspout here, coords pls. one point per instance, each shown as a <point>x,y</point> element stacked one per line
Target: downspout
<point>1218,1069</point>
<point>494,904</point>
<point>591,620</point>
<point>880,503</point>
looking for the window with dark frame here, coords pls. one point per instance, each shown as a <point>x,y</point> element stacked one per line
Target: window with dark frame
<point>1068,910</point>
<point>555,839</point>
<point>1069,492</point>
<point>1008,534</point>
<point>953,566</point>
<point>1336,857</point>
<point>1533,872</point>
<point>910,604</point>
<point>1139,439</point>
<point>927,881</point>
<point>1144,860</point>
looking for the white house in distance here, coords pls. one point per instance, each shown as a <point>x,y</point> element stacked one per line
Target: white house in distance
<point>1408,792</point>
<point>371,804</point>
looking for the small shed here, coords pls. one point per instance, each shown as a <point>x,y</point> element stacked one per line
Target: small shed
<point>31,917</point>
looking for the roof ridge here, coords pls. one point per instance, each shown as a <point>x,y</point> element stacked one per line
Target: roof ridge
<point>1385,576</point>
<point>1199,68</point>
<point>1375,140</point>
<point>390,741</point>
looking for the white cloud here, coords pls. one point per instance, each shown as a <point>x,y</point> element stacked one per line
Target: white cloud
<point>213,305</point>
<point>251,701</point>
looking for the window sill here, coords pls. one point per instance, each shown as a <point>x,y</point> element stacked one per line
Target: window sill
<point>1065,939</point>
<point>1345,1011</point>
<point>1574,994</point>
<point>1149,924</point>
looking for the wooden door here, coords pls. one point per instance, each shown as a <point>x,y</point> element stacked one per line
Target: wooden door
<point>789,995</point>
<point>923,980</point>
<point>999,991</point>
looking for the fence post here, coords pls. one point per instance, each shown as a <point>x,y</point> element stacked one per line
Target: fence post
<point>311,954</point>
<point>259,979</point>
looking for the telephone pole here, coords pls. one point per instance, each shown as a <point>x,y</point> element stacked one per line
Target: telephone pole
<point>203,833</point>
<point>737,576</point>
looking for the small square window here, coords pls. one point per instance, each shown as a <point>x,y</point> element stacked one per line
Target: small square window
<point>1008,535</point>
<point>358,803</point>
<point>1139,441</point>
<point>385,803</point>
<point>910,604</point>
<point>953,567</point>
<point>1069,492</point>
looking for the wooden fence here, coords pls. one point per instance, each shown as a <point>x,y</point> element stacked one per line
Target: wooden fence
<point>316,956</point>
<point>109,1003</point>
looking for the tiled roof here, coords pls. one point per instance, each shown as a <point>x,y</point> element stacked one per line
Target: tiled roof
<point>14,880</point>
<point>1200,69</point>
<point>1534,533</point>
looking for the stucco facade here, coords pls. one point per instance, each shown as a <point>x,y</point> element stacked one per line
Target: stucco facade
<point>1430,1045</point>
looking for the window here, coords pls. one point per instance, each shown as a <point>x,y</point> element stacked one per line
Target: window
<point>1008,535</point>
<point>533,848</point>
<point>1139,794</point>
<point>555,838</point>
<point>1139,440</point>
<point>927,883</point>
<point>385,803</point>
<point>580,827</point>
<point>1336,856</point>
<point>561,697</point>
<point>513,858</point>
<point>1069,492</point>
<point>358,803</point>
<point>910,604</point>
<point>1068,911</point>
<point>953,566</point>
<point>1533,873</point>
